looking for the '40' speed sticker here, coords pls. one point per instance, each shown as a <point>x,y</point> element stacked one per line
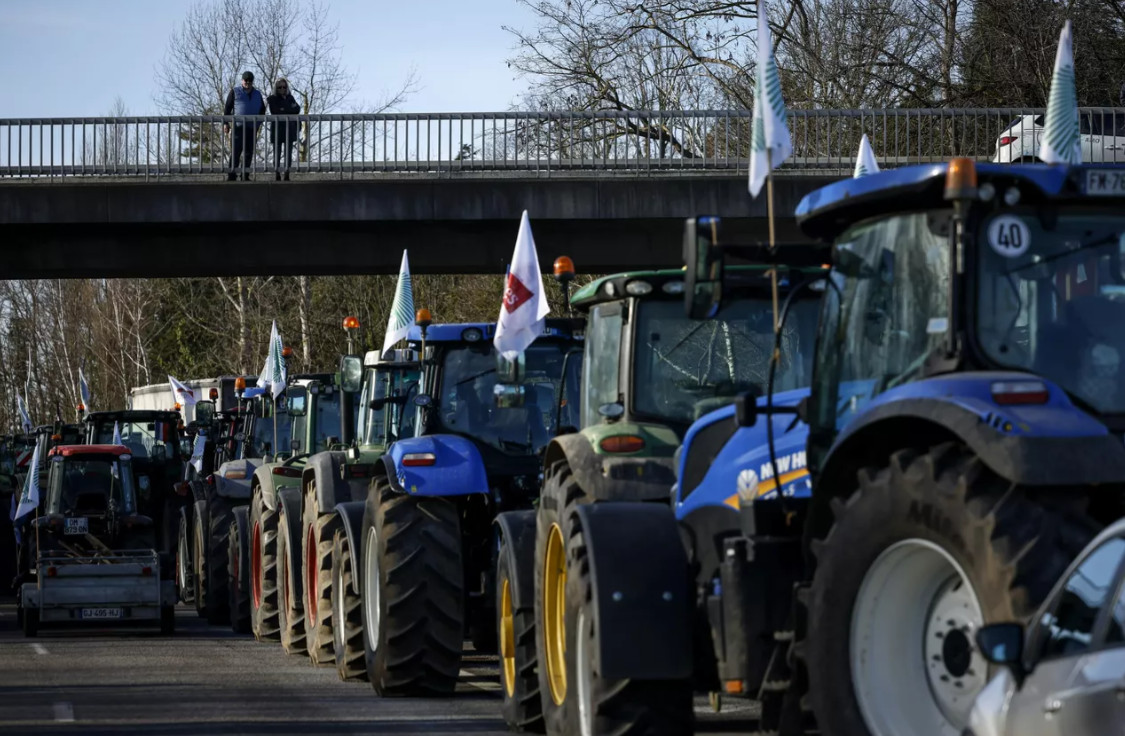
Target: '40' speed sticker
<point>1009,236</point>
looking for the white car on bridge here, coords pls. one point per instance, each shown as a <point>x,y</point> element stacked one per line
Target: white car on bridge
<point>1102,135</point>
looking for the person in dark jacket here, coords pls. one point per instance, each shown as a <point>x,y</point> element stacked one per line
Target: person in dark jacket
<point>283,133</point>
<point>243,100</point>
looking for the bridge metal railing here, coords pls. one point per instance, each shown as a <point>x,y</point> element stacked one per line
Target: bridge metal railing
<point>522,143</point>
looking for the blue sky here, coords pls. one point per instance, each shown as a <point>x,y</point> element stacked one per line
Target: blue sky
<point>73,57</point>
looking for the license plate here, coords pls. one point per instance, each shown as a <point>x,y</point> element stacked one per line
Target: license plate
<point>1105,183</point>
<point>78,525</point>
<point>100,613</point>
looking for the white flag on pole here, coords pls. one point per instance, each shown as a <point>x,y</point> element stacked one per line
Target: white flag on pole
<point>1061,142</point>
<point>402,310</point>
<point>117,434</point>
<point>84,390</point>
<point>275,373</point>
<point>29,495</point>
<point>25,418</point>
<point>524,306</point>
<point>181,394</point>
<point>865,162</point>
<point>197,452</point>
<point>770,144</point>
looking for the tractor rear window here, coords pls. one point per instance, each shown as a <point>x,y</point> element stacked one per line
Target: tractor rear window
<point>90,487</point>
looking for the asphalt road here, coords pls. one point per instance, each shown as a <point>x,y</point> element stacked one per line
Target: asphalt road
<point>205,680</point>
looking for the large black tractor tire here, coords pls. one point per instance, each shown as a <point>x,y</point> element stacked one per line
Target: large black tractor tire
<point>317,584</point>
<point>519,677</point>
<point>290,611</point>
<point>185,567</point>
<point>884,556</point>
<point>238,566</point>
<point>263,570</point>
<point>634,707</point>
<point>347,615</point>
<point>413,594</point>
<point>216,608</point>
<point>560,494</point>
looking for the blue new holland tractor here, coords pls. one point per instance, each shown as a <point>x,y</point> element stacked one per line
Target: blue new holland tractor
<point>469,449</point>
<point>964,442</point>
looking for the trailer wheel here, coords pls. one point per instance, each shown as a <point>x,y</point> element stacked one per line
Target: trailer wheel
<point>926,551</point>
<point>263,569</point>
<point>317,567</point>
<point>656,707</point>
<point>290,612</point>
<point>167,620</point>
<point>239,567</point>
<point>185,581</point>
<point>347,615</point>
<point>217,578</point>
<point>519,677</point>
<point>413,594</point>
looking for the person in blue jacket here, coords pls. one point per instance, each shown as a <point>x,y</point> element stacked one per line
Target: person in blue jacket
<point>243,100</point>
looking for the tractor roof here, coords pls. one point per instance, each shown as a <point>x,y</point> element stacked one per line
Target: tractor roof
<point>134,415</point>
<point>76,450</point>
<point>666,284</point>
<point>828,211</point>
<point>481,331</point>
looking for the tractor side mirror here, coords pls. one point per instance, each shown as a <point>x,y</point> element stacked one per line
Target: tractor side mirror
<point>351,373</point>
<point>298,405</point>
<point>746,409</point>
<point>1002,644</point>
<point>703,267</point>
<point>204,412</point>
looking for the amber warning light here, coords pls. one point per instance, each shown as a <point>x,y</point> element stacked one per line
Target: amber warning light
<point>351,323</point>
<point>422,318</point>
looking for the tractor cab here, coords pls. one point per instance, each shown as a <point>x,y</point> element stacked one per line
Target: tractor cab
<point>90,499</point>
<point>384,413</point>
<point>314,404</point>
<point>462,393</point>
<point>965,424</point>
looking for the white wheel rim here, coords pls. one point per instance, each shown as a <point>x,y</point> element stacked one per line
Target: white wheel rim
<point>914,667</point>
<point>585,673</point>
<point>184,561</point>
<point>371,589</point>
<point>338,594</point>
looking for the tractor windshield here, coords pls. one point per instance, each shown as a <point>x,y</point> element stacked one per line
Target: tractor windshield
<point>263,441</point>
<point>690,367</point>
<point>467,405</point>
<point>90,486</point>
<point>327,419</point>
<point>380,426</point>
<point>1051,299</point>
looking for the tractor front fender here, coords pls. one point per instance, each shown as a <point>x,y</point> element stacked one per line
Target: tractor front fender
<point>264,481</point>
<point>607,478</point>
<point>642,591</point>
<point>517,544</point>
<point>1053,445</point>
<point>326,469</point>
<point>456,469</point>
<point>351,519</point>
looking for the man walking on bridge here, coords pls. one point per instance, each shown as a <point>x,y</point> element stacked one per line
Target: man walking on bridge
<point>243,100</point>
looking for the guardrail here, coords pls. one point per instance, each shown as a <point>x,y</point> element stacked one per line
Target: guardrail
<point>521,143</point>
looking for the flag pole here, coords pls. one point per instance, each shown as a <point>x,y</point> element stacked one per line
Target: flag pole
<point>773,241</point>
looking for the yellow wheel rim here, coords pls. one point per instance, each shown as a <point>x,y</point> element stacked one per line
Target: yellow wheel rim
<point>554,613</point>
<point>507,638</point>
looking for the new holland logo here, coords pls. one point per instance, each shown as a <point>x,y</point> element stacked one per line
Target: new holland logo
<point>747,482</point>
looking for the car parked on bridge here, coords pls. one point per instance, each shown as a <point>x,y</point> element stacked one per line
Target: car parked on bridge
<point>1066,673</point>
<point>1102,135</point>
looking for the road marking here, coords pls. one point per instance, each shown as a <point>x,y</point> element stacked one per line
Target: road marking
<point>39,648</point>
<point>64,712</point>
